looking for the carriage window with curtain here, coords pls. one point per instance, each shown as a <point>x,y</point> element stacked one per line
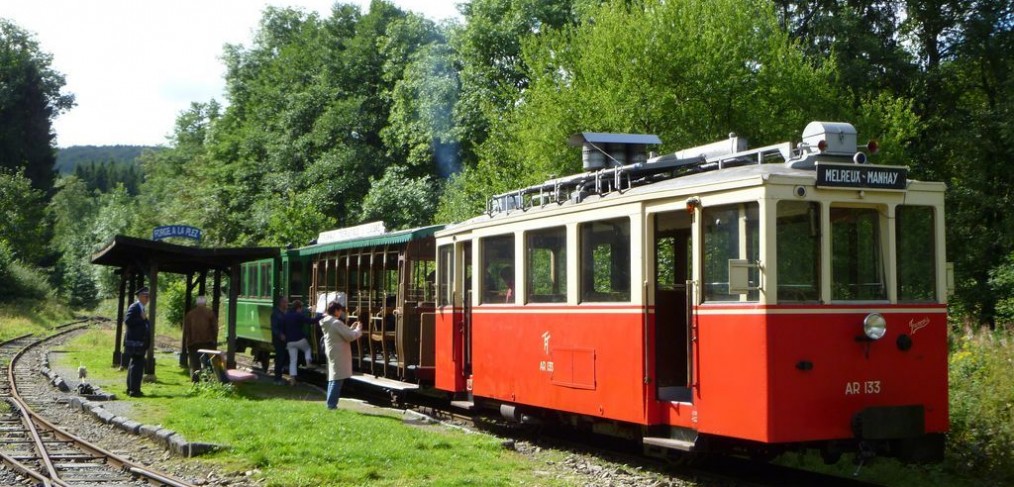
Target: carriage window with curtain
<point>546,267</point>
<point>730,232</point>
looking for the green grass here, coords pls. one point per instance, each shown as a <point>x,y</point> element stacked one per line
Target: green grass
<point>289,438</point>
<point>24,317</point>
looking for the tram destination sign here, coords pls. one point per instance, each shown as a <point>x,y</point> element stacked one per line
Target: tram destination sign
<point>861,176</point>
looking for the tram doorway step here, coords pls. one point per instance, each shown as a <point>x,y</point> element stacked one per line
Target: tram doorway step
<point>671,443</point>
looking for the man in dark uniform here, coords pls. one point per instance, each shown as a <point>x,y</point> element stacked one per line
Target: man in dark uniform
<point>135,342</point>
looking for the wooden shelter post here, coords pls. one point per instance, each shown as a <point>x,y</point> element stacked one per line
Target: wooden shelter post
<point>121,296</point>
<point>216,292</point>
<point>187,305</point>
<point>234,277</point>
<point>149,368</point>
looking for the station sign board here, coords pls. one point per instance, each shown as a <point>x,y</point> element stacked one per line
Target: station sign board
<point>169,231</point>
<point>861,176</point>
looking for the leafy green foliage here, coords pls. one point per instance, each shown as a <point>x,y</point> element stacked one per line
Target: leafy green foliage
<point>23,213</point>
<point>19,281</point>
<point>1001,282</point>
<point>209,387</point>
<point>981,441</point>
<point>400,201</point>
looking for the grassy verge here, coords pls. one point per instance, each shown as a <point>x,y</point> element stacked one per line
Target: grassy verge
<point>24,317</point>
<point>288,438</point>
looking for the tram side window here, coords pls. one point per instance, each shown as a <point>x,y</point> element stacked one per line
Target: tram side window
<point>916,254</point>
<point>547,265</point>
<point>605,260</point>
<point>798,243</point>
<point>857,261</point>
<point>498,270</point>
<point>730,232</point>
<point>445,290</point>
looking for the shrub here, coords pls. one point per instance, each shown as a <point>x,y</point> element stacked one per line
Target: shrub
<point>1001,281</point>
<point>173,301</point>
<point>981,441</point>
<point>19,280</point>
<point>208,386</point>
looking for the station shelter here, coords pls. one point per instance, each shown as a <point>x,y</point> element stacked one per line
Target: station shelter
<point>140,261</point>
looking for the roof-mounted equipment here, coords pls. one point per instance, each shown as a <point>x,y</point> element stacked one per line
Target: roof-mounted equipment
<point>604,150</point>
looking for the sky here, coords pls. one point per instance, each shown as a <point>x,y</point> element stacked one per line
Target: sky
<point>133,65</point>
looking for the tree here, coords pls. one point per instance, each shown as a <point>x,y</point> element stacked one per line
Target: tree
<point>493,71</point>
<point>400,201</point>
<point>965,98</point>
<point>23,212</point>
<point>30,98</point>
<point>691,72</point>
<point>72,211</point>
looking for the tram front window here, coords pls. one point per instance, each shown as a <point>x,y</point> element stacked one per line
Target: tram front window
<point>857,261</point>
<point>798,242</point>
<point>916,254</point>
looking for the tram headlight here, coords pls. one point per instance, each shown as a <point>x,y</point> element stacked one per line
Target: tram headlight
<point>875,326</point>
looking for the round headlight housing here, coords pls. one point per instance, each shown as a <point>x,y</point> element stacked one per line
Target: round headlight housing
<point>875,326</point>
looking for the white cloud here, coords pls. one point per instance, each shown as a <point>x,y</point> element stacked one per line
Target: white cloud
<point>134,65</point>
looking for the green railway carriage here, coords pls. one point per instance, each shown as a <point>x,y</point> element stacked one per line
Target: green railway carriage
<point>261,282</point>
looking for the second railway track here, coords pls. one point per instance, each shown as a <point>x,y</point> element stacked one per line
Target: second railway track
<point>43,452</point>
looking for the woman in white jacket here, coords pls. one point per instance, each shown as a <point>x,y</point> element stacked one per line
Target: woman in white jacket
<point>337,336</point>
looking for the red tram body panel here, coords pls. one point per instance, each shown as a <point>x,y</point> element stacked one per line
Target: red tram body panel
<point>801,375</point>
<point>584,363</point>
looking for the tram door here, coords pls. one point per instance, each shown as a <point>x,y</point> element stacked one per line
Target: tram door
<point>672,324</point>
<point>466,316</point>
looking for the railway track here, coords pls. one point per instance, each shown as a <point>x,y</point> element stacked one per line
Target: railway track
<point>39,452</point>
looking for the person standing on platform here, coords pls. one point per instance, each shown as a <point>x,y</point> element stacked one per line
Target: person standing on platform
<point>295,337</point>
<point>136,341</point>
<point>337,336</point>
<point>200,327</point>
<point>278,336</point>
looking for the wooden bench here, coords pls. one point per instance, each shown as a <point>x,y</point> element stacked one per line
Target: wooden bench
<point>217,360</point>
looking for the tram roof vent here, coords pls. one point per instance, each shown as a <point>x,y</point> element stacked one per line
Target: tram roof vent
<point>839,138</point>
<point>602,150</point>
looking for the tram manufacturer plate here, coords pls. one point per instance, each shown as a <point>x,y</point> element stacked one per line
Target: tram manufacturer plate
<point>861,176</point>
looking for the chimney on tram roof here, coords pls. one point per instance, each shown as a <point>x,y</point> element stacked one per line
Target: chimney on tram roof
<point>604,150</point>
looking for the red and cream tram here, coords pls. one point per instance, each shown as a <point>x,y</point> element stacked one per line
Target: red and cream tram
<point>718,298</point>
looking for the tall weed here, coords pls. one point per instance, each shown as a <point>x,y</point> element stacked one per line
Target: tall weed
<point>981,441</point>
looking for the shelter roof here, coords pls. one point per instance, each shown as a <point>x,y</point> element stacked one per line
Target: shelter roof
<point>125,251</point>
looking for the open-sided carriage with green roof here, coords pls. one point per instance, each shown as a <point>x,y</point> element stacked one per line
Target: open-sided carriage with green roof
<point>385,278</point>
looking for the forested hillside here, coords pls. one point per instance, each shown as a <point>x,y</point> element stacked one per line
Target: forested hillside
<point>68,158</point>
<point>355,116</point>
